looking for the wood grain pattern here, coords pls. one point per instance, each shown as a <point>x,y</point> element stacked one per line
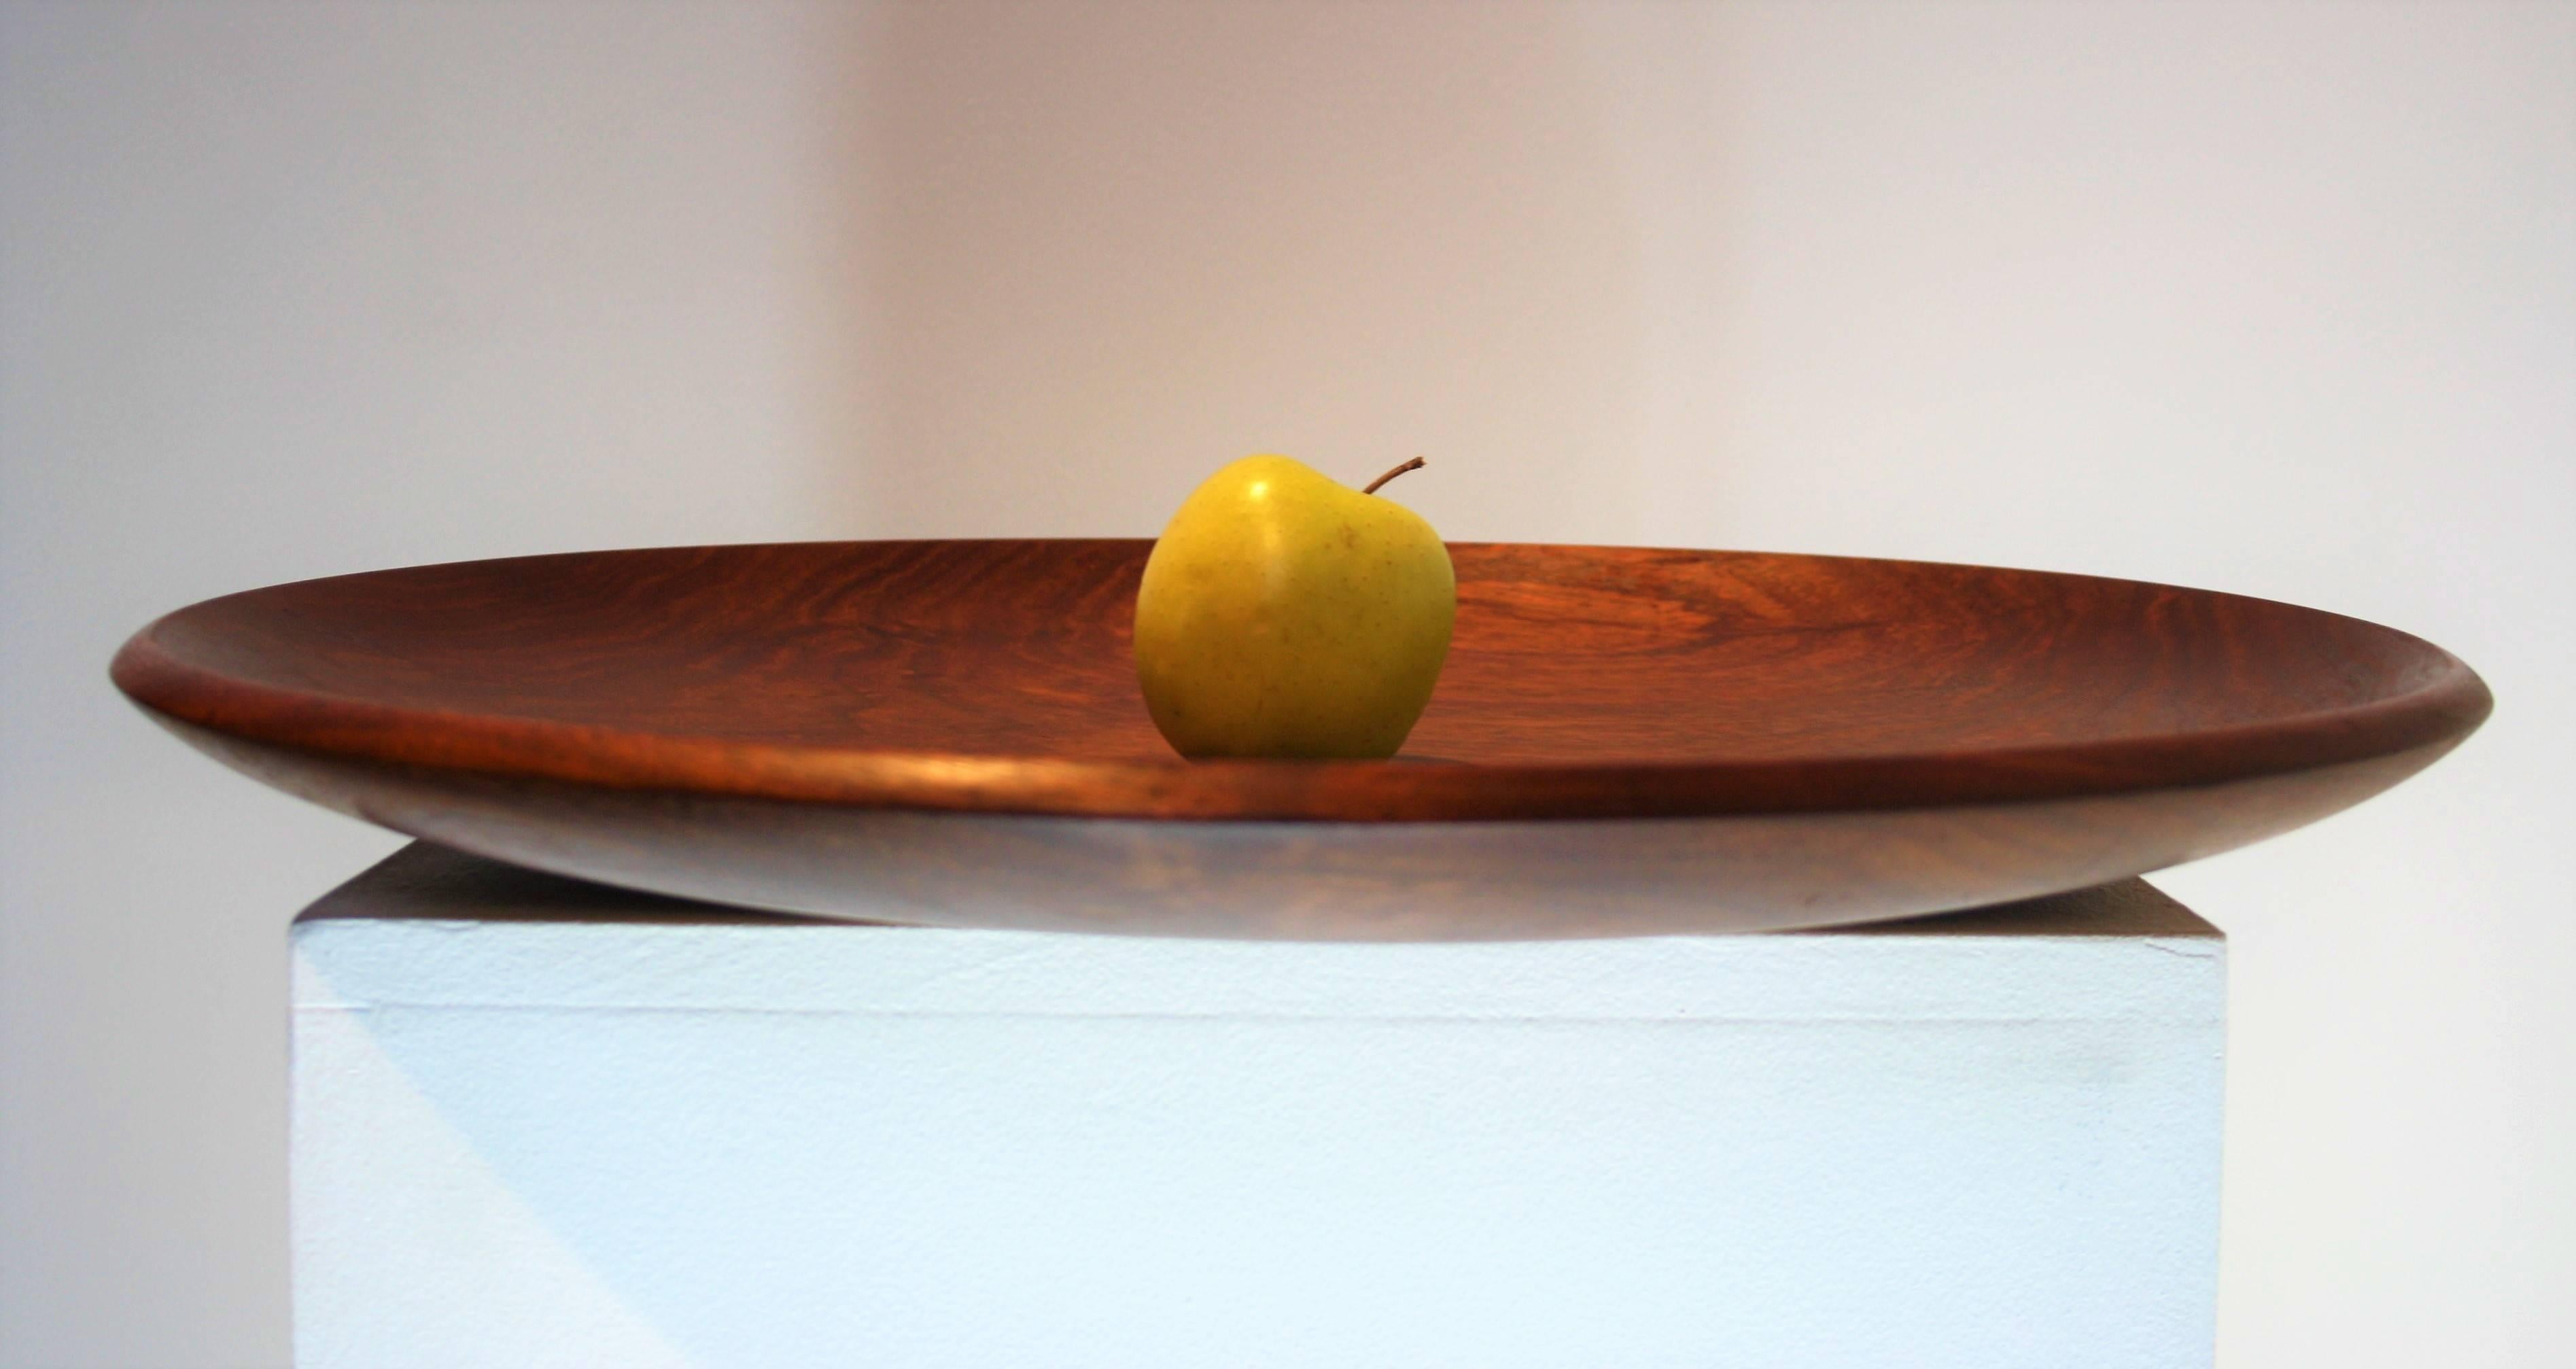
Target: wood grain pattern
<point>1584,682</point>
<point>952,731</point>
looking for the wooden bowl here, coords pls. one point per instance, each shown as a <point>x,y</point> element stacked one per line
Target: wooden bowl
<point>1624,740</point>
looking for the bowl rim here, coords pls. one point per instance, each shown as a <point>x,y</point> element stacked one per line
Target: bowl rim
<point>2446,703</point>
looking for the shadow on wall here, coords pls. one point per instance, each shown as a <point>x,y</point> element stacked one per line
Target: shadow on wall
<point>1113,246</point>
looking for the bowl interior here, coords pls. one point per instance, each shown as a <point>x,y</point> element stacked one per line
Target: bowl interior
<point>1563,655</point>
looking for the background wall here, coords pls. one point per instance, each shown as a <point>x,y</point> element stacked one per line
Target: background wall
<point>2276,298</point>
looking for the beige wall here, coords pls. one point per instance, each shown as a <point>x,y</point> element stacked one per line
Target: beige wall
<point>2277,298</point>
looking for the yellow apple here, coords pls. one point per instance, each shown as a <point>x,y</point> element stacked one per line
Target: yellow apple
<point>1285,614</point>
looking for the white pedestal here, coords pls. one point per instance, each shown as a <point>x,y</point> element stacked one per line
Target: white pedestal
<point>542,1123</point>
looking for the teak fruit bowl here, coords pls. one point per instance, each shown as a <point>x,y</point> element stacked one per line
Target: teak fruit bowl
<point>1624,740</point>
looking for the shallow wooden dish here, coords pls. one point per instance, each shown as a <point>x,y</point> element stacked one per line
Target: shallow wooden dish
<point>1624,741</point>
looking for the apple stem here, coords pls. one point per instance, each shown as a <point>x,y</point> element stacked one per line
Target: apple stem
<point>1415,464</point>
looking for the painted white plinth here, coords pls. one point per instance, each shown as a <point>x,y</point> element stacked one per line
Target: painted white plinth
<point>541,1123</point>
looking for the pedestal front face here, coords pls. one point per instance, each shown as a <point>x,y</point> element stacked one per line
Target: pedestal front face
<point>540,1123</point>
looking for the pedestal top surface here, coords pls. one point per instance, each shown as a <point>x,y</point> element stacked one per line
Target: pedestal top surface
<point>428,881</point>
